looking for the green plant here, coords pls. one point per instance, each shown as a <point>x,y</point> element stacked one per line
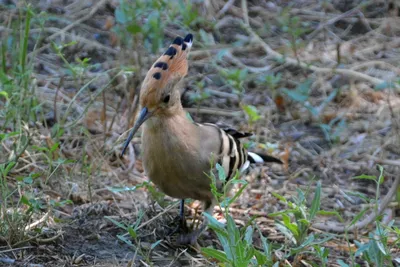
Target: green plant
<point>201,94</point>
<point>295,223</point>
<point>132,230</point>
<point>270,81</point>
<point>301,94</point>
<point>157,195</point>
<point>252,113</point>
<point>376,251</point>
<point>25,156</point>
<point>146,20</point>
<point>236,79</point>
<point>129,15</point>
<point>18,107</point>
<point>295,28</point>
<point>238,247</point>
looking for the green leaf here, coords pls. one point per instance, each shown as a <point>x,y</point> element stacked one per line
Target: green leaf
<point>286,232</point>
<point>296,96</point>
<point>303,245</point>
<point>243,74</point>
<point>155,244</point>
<point>139,218</point>
<point>25,200</point>
<point>134,28</point>
<point>357,194</point>
<point>365,177</point>
<point>248,236</point>
<point>120,15</point>
<point>252,112</point>
<point>361,248</point>
<point>291,226</point>
<point>383,85</point>
<point>281,198</point>
<point>301,93</point>
<point>41,149</point>
<point>381,247</point>
<point>233,231</point>
<point>249,253</point>
<point>276,214</point>
<point>125,240</point>
<point>359,215</point>
<point>8,168</point>
<point>316,203</point>
<point>329,99</point>
<point>261,258</point>
<point>221,172</point>
<point>238,193</point>
<point>120,225</point>
<point>54,147</point>
<point>28,180</point>
<point>213,222</point>
<point>342,263</point>
<point>331,213</point>
<point>132,232</point>
<point>4,94</point>
<point>216,254</point>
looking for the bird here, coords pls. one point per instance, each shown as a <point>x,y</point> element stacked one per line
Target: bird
<point>177,153</point>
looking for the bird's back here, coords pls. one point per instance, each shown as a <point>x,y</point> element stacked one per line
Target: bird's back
<point>179,155</point>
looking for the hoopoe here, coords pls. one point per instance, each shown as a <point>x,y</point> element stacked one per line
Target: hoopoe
<point>176,151</point>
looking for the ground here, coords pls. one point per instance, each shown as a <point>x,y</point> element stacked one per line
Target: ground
<point>316,81</point>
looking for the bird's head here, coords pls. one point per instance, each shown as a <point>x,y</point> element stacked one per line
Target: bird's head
<point>160,94</point>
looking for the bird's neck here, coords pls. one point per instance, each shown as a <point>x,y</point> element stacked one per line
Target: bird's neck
<point>176,123</point>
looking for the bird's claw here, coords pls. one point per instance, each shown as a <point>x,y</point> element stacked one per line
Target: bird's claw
<point>188,239</point>
<point>181,227</point>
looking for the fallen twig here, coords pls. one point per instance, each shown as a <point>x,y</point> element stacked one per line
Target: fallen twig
<point>291,61</point>
<point>41,220</point>
<point>341,228</point>
<point>70,26</point>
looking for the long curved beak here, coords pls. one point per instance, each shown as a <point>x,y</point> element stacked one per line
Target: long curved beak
<point>143,116</point>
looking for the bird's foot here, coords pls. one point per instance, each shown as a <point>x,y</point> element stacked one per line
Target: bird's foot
<point>188,238</point>
<point>180,228</point>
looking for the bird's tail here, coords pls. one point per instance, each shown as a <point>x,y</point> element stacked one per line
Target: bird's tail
<point>260,158</point>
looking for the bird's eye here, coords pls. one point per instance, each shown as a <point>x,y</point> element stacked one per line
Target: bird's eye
<point>166,99</point>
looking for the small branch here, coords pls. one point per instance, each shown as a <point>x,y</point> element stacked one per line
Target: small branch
<point>385,161</point>
<point>16,249</point>
<point>369,219</point>
<point>245,11</point>
<point>43,219</point>
<point>294,62</point>
<point>332,21</point>
<point>50,239</point>
<point>70,26</point>
<point>226,7</point>
<point>291,61</point>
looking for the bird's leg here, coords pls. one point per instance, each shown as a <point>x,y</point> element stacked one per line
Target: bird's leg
<point>182,226</point>
<point>191,238</point>
<point>182,220</point>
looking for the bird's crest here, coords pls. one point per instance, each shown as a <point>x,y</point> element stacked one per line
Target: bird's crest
<point>172,65</point>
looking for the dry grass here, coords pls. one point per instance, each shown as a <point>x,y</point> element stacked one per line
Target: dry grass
<point>348,51</point>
